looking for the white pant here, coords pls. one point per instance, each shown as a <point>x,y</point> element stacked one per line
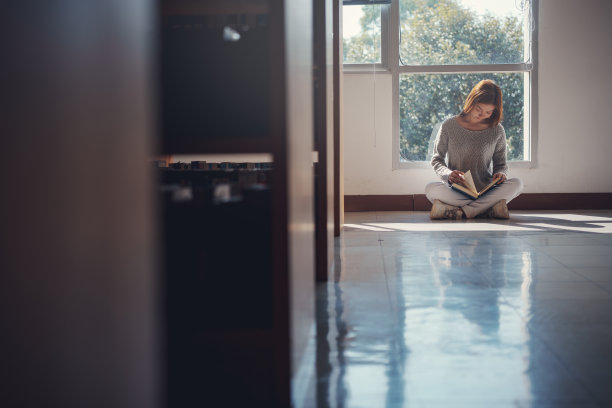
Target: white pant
<point>508,190</point>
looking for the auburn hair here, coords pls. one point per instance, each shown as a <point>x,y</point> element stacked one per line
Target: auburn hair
<point>488,92</point>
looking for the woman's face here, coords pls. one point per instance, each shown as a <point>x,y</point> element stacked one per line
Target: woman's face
<point>481,112</point>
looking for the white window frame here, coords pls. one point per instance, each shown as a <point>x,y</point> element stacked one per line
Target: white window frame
<point>390,63</point>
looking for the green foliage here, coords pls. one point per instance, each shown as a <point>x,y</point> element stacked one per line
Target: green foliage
<point>365,47</point>
<point>443,32</point>
<point>440,32</point>
<point>428,99</point>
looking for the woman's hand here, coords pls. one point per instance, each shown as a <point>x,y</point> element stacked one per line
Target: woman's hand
<point>500,176</point>
<point>456,176</point>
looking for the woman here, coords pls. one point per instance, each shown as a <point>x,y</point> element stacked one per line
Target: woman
<point>476,141</point>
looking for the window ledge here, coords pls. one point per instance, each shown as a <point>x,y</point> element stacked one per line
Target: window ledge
<point>523,164</point>
<point>365,69</point>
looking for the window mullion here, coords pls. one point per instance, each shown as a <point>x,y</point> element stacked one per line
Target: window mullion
<point>384,36</point>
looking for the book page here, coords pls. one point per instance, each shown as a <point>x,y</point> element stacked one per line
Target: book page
<point>489,186</point>
<point>469,182</point>
<point>464,190</point>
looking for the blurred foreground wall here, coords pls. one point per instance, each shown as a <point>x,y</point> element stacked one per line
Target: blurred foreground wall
<point>77,237</point>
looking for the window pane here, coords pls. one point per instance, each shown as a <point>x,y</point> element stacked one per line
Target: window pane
<point>463,32</point>
<point>427,99</point>
<point>361,34</point>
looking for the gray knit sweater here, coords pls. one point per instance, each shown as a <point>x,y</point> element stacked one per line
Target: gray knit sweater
<point>481,151</point>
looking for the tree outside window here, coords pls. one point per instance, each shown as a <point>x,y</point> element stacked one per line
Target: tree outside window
<point>445,48</point>
<point>362,34</point>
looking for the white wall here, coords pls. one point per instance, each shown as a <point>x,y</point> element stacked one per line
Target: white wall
<point>575,106</point>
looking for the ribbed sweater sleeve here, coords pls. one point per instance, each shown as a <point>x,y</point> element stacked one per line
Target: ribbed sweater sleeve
<point>438,160</point>
<point>499,157</point>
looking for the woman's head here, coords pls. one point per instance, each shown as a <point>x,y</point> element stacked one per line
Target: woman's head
<point>485,101</point>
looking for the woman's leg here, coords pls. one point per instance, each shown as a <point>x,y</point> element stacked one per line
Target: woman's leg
<point>508,190</point>
<point>441,191</point>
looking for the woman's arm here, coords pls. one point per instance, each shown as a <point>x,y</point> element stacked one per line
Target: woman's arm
<point>500,167</point>
<point>438,160</point>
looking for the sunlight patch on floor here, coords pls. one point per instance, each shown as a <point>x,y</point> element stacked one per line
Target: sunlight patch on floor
<point>438,226</point>
<point>519,222</point>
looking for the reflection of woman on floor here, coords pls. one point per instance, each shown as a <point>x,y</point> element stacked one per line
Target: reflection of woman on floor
<point>475,140</point>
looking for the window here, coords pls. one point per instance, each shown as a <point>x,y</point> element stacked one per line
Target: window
<point>364,29</point>
<point>442,49</point>
<point>425,100</point>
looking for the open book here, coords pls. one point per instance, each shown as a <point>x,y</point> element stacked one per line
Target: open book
<point>469,188</point>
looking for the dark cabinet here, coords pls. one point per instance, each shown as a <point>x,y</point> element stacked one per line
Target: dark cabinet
<point>238,279</point>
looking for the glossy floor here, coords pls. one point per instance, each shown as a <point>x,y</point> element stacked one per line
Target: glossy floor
<point>476,313</point>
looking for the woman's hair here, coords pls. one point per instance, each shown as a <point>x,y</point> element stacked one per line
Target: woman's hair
<point>488,92</point>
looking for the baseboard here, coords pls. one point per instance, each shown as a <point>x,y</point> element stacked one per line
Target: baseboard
<point>378,203</point>
<point>535,201</point>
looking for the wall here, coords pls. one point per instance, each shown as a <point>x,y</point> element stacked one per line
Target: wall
<point>78,254</point>
<point>575,95</point>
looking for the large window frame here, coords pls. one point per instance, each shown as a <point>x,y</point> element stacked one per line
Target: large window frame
<point>390,64</point>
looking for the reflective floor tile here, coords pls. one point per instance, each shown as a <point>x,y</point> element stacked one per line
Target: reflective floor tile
<point>596,274</point>
<point>534,273</point>
<point>453,317</point>
<point>607,286</point>
<point>568,312</point>
<point>568,290</point>
<point>585,350</point>
<point>586,250</point>
<point>585,260</point>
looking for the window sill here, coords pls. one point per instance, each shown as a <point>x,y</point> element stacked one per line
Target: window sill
<point>365,69</point>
